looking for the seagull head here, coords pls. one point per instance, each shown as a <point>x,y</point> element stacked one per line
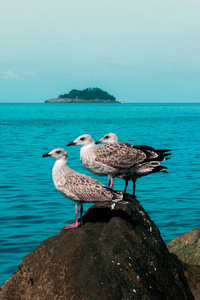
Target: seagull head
<point>108,138</point>
<point>57,153</point>
<point>82,140</point>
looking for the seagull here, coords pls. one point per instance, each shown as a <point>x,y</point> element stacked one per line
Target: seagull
<point>114,159</point>
<point>78,187</point>
<point>108,138</point>
<point>144,168</point>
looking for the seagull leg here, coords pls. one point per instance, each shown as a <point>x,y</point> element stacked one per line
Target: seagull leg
<point>81,210</point>
<point>108,182</point>
<point>134,180</point>
<point>77,223</point>
<point>110,185</point>
<point>126,184</point>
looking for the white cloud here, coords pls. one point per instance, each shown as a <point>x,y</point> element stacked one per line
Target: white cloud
<point>12,75</point>
<point>9,75</point>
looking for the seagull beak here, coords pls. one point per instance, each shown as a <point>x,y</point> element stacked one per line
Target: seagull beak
<point>71,143</point>
<point>99,141</point>
<point>46,154</point>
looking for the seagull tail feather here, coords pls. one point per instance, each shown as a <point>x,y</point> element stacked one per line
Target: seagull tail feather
<point>117,195</point>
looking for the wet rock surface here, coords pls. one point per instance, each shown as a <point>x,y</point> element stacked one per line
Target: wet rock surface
<point>117,254</point>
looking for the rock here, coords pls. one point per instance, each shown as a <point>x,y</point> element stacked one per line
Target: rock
<point>192,273</point>
<point>187,247</point>
<point>117,254</point>
<point>76,100</point>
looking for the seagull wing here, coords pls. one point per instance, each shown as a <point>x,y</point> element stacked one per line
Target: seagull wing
<point>84,188</point>
<point>119,155</point>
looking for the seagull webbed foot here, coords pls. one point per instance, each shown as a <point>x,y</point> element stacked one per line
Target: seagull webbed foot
<point>73,225</point>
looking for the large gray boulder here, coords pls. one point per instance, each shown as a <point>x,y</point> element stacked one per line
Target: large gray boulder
<point>117,254</point>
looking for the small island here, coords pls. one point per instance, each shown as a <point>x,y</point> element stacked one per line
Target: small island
<point>88,95</point>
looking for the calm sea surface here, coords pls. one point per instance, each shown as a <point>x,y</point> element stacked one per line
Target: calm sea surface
<point>31,208</point>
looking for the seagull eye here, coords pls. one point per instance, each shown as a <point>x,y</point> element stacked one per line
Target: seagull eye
<point>106,137</point>
<point>82,139</point>
<point>58,151</point>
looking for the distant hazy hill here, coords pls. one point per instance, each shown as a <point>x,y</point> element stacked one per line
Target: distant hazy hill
<point>86,95</point>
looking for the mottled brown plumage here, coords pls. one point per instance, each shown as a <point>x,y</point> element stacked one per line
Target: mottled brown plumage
<point>78,187</point>
<point>151,163</point>
<point>119,155</point>
<point>113,159</point>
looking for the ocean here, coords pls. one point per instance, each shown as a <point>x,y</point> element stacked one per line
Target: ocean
<point>33,210</point>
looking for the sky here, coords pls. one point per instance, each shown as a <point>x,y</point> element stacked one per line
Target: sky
<point>138,51</point>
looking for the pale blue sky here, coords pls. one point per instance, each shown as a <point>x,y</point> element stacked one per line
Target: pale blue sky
<point>139,51</point>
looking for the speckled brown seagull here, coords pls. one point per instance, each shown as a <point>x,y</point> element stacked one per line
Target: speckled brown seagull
<point>78,187</point>
<point>144,168</point>
<point>112,159</point>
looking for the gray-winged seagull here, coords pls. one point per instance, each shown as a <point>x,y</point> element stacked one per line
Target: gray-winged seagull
<point>143,169</point>
<point>113,159</point>
<point>78,187</point>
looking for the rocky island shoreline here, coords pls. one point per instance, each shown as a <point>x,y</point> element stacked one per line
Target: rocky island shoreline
<point>77,100</point>
<point>117,253</point>
<point>89,95</point>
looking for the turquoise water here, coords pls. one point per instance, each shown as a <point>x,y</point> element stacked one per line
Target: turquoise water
<point>31,208</point>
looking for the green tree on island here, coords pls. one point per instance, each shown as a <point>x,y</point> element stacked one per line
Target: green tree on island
<point>88,94</point>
